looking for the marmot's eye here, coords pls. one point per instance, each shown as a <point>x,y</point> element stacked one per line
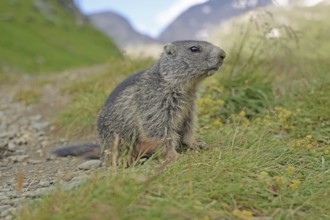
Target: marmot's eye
<point>194,49</point>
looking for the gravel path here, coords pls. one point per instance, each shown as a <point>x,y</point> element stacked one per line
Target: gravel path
<point>27,167</point>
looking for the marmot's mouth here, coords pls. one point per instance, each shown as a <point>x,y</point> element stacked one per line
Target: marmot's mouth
<point>216,68</point>
<point>212,70</point>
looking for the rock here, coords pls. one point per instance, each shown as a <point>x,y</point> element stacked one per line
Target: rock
<point>22,140</point>
<point>3,127</point>
<point>44,144</point>
<point>18,158</point>
<point>67,176</point>
<point>3,144</point>
<point>33,161</point>
<point>40,125</point>
<point>39,192</point>
<point>80,178</point>
<point>4,207</point>
<point>3,197</point>
<point>7,212</point>
<point>9,217</point>
<point>41,135</point>
<point>12,146</point>
<point>90,164</point>
<point>5,202</point>
<point>15,202</point>
<point>6,189</point>
<point>51,157</point>
<point>8,135</point>
<point>36,118</point>
<point>44,184</point>
<point>72,185</point>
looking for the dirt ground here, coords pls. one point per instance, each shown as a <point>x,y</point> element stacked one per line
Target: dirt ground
<point>27,167</point>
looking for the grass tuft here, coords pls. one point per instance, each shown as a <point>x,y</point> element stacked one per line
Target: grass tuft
<point>28,96</point>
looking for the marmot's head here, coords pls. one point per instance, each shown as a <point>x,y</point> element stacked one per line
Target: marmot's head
<point>184,61</point>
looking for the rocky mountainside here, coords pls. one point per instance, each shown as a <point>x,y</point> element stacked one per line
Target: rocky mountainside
<point>119,29</point>
<point>198,21</point>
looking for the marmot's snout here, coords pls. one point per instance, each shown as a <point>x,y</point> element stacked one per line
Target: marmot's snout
<point>222,54</point>
<point>216,58</point>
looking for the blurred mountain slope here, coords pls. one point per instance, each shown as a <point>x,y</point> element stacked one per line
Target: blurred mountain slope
<point>199,21</point>
<point>119,29</point>
<point>45,36</point>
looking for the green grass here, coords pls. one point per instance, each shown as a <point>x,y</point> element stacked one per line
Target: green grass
<point>89,95</point>
<point>8,78</point>
<point>36,42</point>
<point>250,171</point>
<point>28,96</point>
<point>266,118</point>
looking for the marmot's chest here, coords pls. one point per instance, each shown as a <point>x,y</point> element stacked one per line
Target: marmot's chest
<point>166,112</point>
<point>178,106</point>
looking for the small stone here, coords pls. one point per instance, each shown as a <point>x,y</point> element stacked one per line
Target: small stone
<point>44,144</point>
<point>40,125</point>
<point>33,161</point>
<point>67,176</point>
<point>20,151</point>
<point>72,185</point>
<point>36,118</point>
<point>3,144</point>
<point>5,202</point>
<point>12,146</point>
<point>63,140</point>
<point>40,153</point>
<point>80,178</point>
<point>4,207</point>
<point>3,127</point>
<point>3,190</point>
<point>51,157</point>
<point>3,197</point>
<point>15,202</point>
<point>39,192</point>
<point>41,135</point>
<point>90,164</point>
<point>18,158</point>
<point>44,183</point>
<point>22,140</point>
<point>8,135</point>
<point>7,212</point>
<point>9,217</point>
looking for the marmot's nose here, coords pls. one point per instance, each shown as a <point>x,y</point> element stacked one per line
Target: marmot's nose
<point>222,54</point>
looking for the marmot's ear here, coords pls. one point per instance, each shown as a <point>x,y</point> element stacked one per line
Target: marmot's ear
<point>170,49</point>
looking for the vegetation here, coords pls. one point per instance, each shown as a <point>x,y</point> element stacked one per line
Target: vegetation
<point>43,36</point>
<point>266,118</point>
<point>89,95</point>
<point>28,96</point>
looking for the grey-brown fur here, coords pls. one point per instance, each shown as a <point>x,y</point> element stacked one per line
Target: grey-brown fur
<point>155,109</point>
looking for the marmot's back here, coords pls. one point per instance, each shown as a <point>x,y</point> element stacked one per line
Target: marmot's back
<point>122,86</point>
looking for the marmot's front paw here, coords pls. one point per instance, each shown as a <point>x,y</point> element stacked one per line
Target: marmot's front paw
<point>171,155</point>
<point>198,145</point>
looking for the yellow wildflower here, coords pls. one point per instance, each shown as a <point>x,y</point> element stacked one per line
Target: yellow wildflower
<point>309,137</point>
<point>294,184</point>
<point>264,173</point>
<point>243,215</point>
<point>242,114</point>
<point>280,180</point>
<point>291,170</point>
<point>309,146</point>
<point>217,123</point>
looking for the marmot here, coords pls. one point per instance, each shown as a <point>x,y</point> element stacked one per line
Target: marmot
<point>155,109</point>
